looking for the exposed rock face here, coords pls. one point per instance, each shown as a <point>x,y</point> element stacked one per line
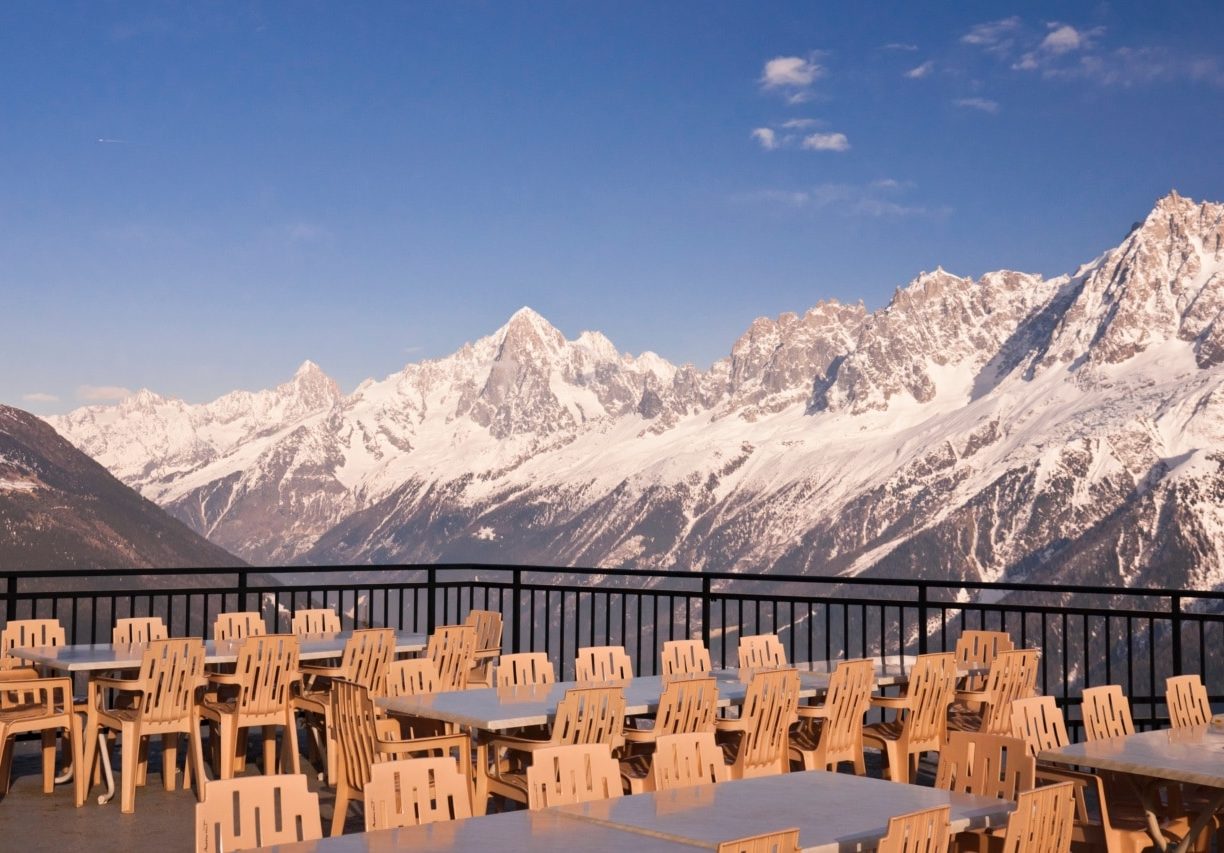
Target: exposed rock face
<point>61,510</point>
<point>1008,427</point>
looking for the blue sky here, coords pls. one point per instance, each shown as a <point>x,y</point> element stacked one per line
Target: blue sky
<point>196,197</point>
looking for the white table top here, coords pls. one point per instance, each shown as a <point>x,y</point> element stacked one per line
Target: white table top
<point>834,811</point>
<point>1193,755</point>
<point>104,656</point>
<point>545,831</point>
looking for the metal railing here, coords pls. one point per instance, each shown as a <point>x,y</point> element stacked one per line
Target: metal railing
<point>1088,635</point>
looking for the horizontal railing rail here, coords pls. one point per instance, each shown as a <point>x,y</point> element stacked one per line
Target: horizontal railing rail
<point>1087,634</point>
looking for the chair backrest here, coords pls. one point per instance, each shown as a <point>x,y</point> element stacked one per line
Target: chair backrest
<point>932,687</point>
<point>685,657</point>
<point>413,791</point>
<point>26,633</point>
<point>367,655</point>
<point>686,705</point>
<point>268,666</point>
<point>1187,701</point>
<point>1106,713</point>
<point>601,664</point>
<point>761,651</point>
<point>1043,820</point>
<point>687,760</point>
<point>488,625</point>
<point>986,765</point>
<point>573,773</point>
<point>452,648</point>
<point>256,811</point>
<point>138,630</point>
<point>976,649</point>
<point>590,715</point>
<point>322,620</point>
<point>238,626</point>
<point>925,831</point>
<point>412,677</point>
<point>523,669</point>
<point>769,709</point>
<point>355,721</point>
<point>171,671</point>
<point>847,702</point>
<point>1013,675</point>
<point>1038,721</point>
<point>782,841</point>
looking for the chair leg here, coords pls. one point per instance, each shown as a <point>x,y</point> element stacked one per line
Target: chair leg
<point>195,745</point>
<point>341,810</point>
<point>48,759</point>
<point>131,770</point>
<point>169,761</point>
<point>143,776</point>
<point>240,751</point>
<point>229,747</point>
<point>7,746</point>
<point>289,747</point>
<point>269,749</point>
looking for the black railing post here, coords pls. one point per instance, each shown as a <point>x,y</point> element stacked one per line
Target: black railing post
<point>922,622</point>
<point>10,598</point>
<point>705,610</point>
<point>431,575</point>
<point>516,599</point>
<point>1178,667</point>
<point>242,590</point>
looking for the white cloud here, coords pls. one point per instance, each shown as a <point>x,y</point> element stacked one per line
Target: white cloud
<point>991,33</point>
<point>1062,38</point>
<point>801,123</point>
<point>306,232</point>
<point>920,71</point>
<point>877,199</point>
<point>767,138</point>
<point>984,104</point>
<point>1059,41</point>
<point>897,45</point>
<point>102,393</point>
<point>790,71</point>
<point>826,142</point>
<point>39,397</point>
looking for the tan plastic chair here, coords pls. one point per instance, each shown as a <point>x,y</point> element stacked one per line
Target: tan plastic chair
<point>452,648</point>
<point>685,657</point>
<point>1118,827</point>
<point>986,765</point>
<point>360,745</point>
<point>1042,821</point>
<point>488,625</point>
<point>415,791</point>
<point>28,633</point>
<point>686,706</point>
<point>412,677</point>
<point>1106,713</point>
<point>257,693</point>
<point>367,655</point>
<point>256,811</point>
<point>523,669</point>
<point>832,733</point>
<point>926,831</point>
<point>572,773</point>
<point>163,701</point>
<point>138,630</point>
<point>686,761</point>
<point>920,724</point>
<point>761,651</point>
<point>756,743</point>
<point>585,715</point>
<point>601,664</point>
<point>782,841</point>
<point>239,626</point>
<point>977,650</point>
<point>1186,698</point>
<point>39,705</point>
<point>322,620</point>
<point>1013,675</point>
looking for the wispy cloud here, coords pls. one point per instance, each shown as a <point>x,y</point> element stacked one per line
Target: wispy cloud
<point>766,136</point>
<point>920,71</point>
<point>826,142</point>
<point>39,397</point>
<point>107,140</point>
<point>1059,41</point>
<point>800,123</point>
<point>986,105</point>
<point>305,232</point>
<point>899,45</point>
<point>792,76</point>
<point>994,36</point>
<point>878,199</point>
<point>102,393</point>
<point>1131,66</point>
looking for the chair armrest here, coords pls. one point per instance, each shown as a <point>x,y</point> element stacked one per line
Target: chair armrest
<point>329,671</point>
<point>813,712</point>
<point>444,743</point>
<point>225,678</point>
<point>49,692</point>
<point>18,674</point>
<point>972,696</point>
<point>518,744</point>
<point>730,725</point>
<point>899,702</point>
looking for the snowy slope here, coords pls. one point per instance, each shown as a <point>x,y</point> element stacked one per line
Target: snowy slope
<point>1007,427</point>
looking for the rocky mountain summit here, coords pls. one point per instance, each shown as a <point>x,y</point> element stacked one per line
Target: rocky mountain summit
<point>1007,427</point>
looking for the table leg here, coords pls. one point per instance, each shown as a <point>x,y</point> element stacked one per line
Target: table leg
<point>480,802</point>
<point>1148,798</point>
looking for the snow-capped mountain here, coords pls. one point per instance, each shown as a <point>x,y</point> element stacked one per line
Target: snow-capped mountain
<point>1012,426</point>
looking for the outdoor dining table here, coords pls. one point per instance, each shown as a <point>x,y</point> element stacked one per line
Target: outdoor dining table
<point>1192,755</point>
<point>97,658</point>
